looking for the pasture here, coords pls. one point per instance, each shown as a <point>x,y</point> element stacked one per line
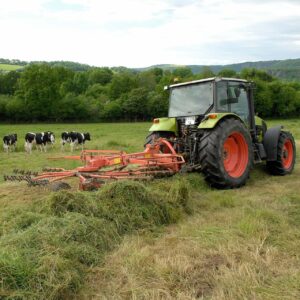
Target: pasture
<point>8,68</point>
<point>231,244</point>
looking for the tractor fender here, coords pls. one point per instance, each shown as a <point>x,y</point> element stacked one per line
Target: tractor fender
<point>212,119</point>
<point>164,124</point>
<point>270,142</point>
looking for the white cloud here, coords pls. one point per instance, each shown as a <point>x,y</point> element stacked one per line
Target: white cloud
<point>140,33</point>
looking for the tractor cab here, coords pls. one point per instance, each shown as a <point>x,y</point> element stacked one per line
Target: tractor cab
<point>191,101</point>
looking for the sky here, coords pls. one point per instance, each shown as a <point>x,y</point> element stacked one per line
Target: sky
<point>140,33</point>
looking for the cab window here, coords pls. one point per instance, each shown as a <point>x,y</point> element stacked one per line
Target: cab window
<point>239,105</point>
<point>232,97</point>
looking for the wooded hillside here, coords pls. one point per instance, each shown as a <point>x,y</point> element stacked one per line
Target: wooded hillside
<point>45,92</point>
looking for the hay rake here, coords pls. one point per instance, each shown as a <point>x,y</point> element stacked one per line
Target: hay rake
<point>103,165</point>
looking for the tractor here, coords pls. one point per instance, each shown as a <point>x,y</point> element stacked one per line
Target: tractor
<point>212,124</point>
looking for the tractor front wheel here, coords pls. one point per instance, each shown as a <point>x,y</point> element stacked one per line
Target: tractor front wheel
<point>286,155</point>
<point>226,154</point>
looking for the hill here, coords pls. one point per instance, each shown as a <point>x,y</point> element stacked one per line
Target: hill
<point>288,69</point>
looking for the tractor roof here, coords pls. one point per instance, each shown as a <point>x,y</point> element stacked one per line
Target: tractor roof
<point>205,80</point>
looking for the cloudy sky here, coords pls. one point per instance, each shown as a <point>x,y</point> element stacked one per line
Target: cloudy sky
<point>138,33</point>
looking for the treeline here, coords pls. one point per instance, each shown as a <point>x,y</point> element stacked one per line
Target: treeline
<point>43,92</point>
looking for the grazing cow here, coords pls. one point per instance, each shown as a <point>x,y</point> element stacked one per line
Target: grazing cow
<point>77,138</point>
<point>29,141</point>
<point>10,140</point>
<point>65,138</point>
<point>51,138</point>
<point>40,139</point>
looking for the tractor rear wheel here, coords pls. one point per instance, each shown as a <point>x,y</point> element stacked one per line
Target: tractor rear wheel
<point>226,154</point>
<point>286,155</point>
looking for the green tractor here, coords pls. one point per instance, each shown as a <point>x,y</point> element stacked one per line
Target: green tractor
<point>212,123</point>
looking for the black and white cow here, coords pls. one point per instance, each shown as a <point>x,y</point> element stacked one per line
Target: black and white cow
<point>77,138</point>
<point>40,139</point>
<point>50,138</point>
<point>65,138</point>
<point>10,140</point>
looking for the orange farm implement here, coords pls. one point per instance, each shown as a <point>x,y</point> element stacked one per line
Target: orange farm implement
<point>103,165</point>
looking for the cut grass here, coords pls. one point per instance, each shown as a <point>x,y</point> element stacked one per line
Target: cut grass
<point>238,244</point>
<point>246,250</point>
<point>47,247</point>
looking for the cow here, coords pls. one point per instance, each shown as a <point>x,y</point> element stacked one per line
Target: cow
<point>10,140</point>
<point>40,139</point>
<point>65,138</point>
<point>29,141</point>
<point>77,138</point>
<point>51,138</point>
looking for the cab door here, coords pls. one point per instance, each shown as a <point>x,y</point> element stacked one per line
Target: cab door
<point>232,97</point>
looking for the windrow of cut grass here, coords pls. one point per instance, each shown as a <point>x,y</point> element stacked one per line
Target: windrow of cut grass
<point>238,244</point>
<point>47,247</point>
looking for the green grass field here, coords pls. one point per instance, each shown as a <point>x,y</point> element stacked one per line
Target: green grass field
<point>5,67</point>
<point>172,238</point>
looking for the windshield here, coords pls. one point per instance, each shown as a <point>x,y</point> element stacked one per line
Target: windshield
<point>191,100</point>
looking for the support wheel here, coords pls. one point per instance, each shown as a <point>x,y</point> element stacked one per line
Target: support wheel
<point>226,154</point>
<point>286,155</point>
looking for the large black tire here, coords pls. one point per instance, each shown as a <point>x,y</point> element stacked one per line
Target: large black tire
<point>286,155</point>
<point>226,154</point>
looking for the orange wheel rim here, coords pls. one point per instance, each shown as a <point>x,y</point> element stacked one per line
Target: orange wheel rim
<point>287,154</point>
<point>235,154</point>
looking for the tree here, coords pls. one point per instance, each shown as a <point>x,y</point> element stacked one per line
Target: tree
<point>207,72</point>
<point>122,83</point>
<point>8,82</point>
<point>112,111</point>
<point>96,90</point>
<point>263,99</point>
<point>135,104</point>
<point>80,82</point>
<point>228,73</point>
<point>182,73</point>
<point>39,90</point>
<point>15,110</point>
<point>147,80</point>
<point>157,105</point>
<point>249,74</point>
<point>102,76</point>
<point>285,99</point>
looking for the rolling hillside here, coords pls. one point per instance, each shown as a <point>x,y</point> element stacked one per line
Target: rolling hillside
<point>288,69</point>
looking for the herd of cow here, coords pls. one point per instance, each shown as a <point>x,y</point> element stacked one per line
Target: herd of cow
<point>42,139</point>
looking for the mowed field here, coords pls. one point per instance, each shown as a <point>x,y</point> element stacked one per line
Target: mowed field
<point>233,244</point>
